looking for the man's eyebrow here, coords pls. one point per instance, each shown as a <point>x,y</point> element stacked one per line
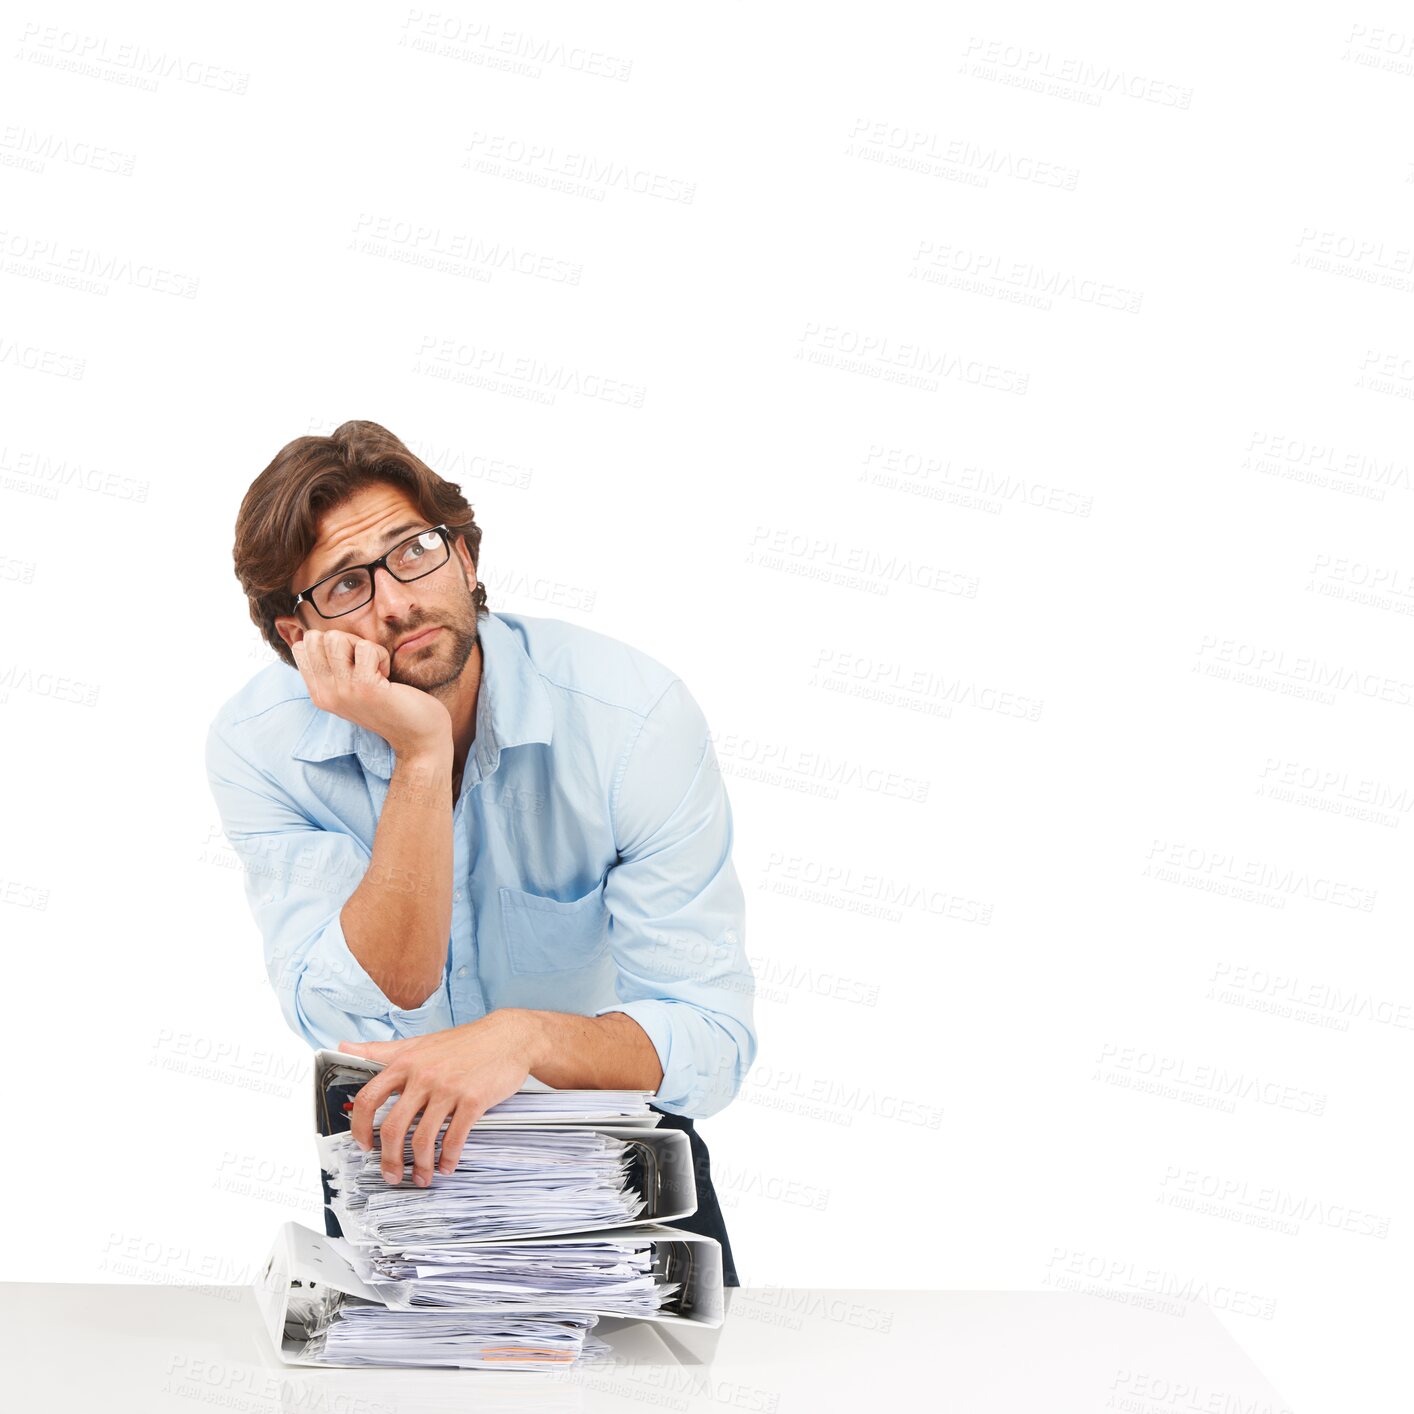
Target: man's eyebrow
<point>355,557</point>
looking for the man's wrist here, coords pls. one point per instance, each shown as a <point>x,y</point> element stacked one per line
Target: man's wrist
<point>424,758</point>
<point>573,1052</point>
<point>526,1035</point>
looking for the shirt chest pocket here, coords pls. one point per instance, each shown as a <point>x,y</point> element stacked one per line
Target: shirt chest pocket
<point>546,935</point>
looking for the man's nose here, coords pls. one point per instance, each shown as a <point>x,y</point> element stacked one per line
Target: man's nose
<point>391,596</point>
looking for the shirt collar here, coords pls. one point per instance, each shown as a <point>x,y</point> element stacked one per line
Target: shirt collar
<point>512,709</point>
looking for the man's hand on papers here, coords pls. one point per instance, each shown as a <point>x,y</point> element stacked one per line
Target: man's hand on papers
<point>454,1075</point>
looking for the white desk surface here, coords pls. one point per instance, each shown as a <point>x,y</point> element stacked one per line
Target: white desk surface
<point>113,1348</point>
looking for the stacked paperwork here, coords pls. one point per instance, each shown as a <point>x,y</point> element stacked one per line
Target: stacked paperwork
<point>507,1183</point>
<point>609,1276</point>
<point>550,1220</point>
<point>349,1331</point>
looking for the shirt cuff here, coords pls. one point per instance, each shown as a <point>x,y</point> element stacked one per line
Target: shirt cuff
<point>336,1000</point>
<point>685,1089</point>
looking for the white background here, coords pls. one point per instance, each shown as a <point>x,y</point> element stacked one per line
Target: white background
<point>1021,482</point>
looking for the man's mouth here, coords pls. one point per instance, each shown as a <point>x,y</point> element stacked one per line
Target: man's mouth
<point>418,639</point>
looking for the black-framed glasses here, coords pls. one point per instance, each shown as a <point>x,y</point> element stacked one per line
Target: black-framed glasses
<point>352,587</point>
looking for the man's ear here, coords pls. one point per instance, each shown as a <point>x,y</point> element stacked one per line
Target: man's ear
<point>464,555</point>
<point>289,628</point>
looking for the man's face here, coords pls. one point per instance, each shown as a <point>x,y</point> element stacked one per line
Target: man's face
<point>369,523</point>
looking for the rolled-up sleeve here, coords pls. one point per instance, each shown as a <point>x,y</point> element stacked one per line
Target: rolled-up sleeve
<point>676,911</point>
<point>297,879</point>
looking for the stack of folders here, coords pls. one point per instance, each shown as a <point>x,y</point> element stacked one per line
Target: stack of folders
<point>553,1218</point>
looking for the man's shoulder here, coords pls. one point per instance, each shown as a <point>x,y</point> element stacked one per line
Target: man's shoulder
<point>274,700</point>
<point>582,660</point>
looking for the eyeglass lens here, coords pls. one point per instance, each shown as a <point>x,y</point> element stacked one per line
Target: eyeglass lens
<point>343,593</point>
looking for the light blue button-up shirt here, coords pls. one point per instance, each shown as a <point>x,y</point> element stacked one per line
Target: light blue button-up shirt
<point>592,865</point>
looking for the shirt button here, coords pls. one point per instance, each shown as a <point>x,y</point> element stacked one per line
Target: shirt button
<point>461,972</point>
<point>457,895</point>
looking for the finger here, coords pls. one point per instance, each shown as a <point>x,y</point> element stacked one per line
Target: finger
<point>376,1050</point>
<point>454,1140</point>
<point>367,660</point>
<point>393,1134</point>
<point>299,651</point>
<point>366,1104</point>
<point>332,647</point>
<point>424,1141</point>
<point>316,658</point>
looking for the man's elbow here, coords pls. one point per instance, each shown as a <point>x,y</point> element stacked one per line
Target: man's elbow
<point>410,998</point>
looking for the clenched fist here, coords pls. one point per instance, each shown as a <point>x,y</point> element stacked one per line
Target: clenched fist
<point>348,676</point>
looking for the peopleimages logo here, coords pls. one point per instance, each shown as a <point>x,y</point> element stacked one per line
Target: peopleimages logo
<point>821,880</point>
<point>1032,67</point>
<point>765,1082</point>
<point>933,154</point>
<point>1283,880</point>
<point>901,361</point>
<point>1176,1078</point>
<point>778,763</point>
<point>1290,989</point>
<point>1273,1202</point>
<point>1071,1268</point>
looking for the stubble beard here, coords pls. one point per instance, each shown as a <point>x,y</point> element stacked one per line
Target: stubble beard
<point>450,653</point>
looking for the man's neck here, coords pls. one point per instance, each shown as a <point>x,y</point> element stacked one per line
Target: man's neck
<point>460,699</point>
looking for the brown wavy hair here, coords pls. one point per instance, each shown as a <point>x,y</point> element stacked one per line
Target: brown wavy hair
<point>278,522</point>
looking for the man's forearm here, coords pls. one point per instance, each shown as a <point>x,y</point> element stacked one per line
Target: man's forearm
<point>609,1052</point>
<point>397,922</point>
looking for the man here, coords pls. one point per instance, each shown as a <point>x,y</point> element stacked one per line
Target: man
<point>478,846</point>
